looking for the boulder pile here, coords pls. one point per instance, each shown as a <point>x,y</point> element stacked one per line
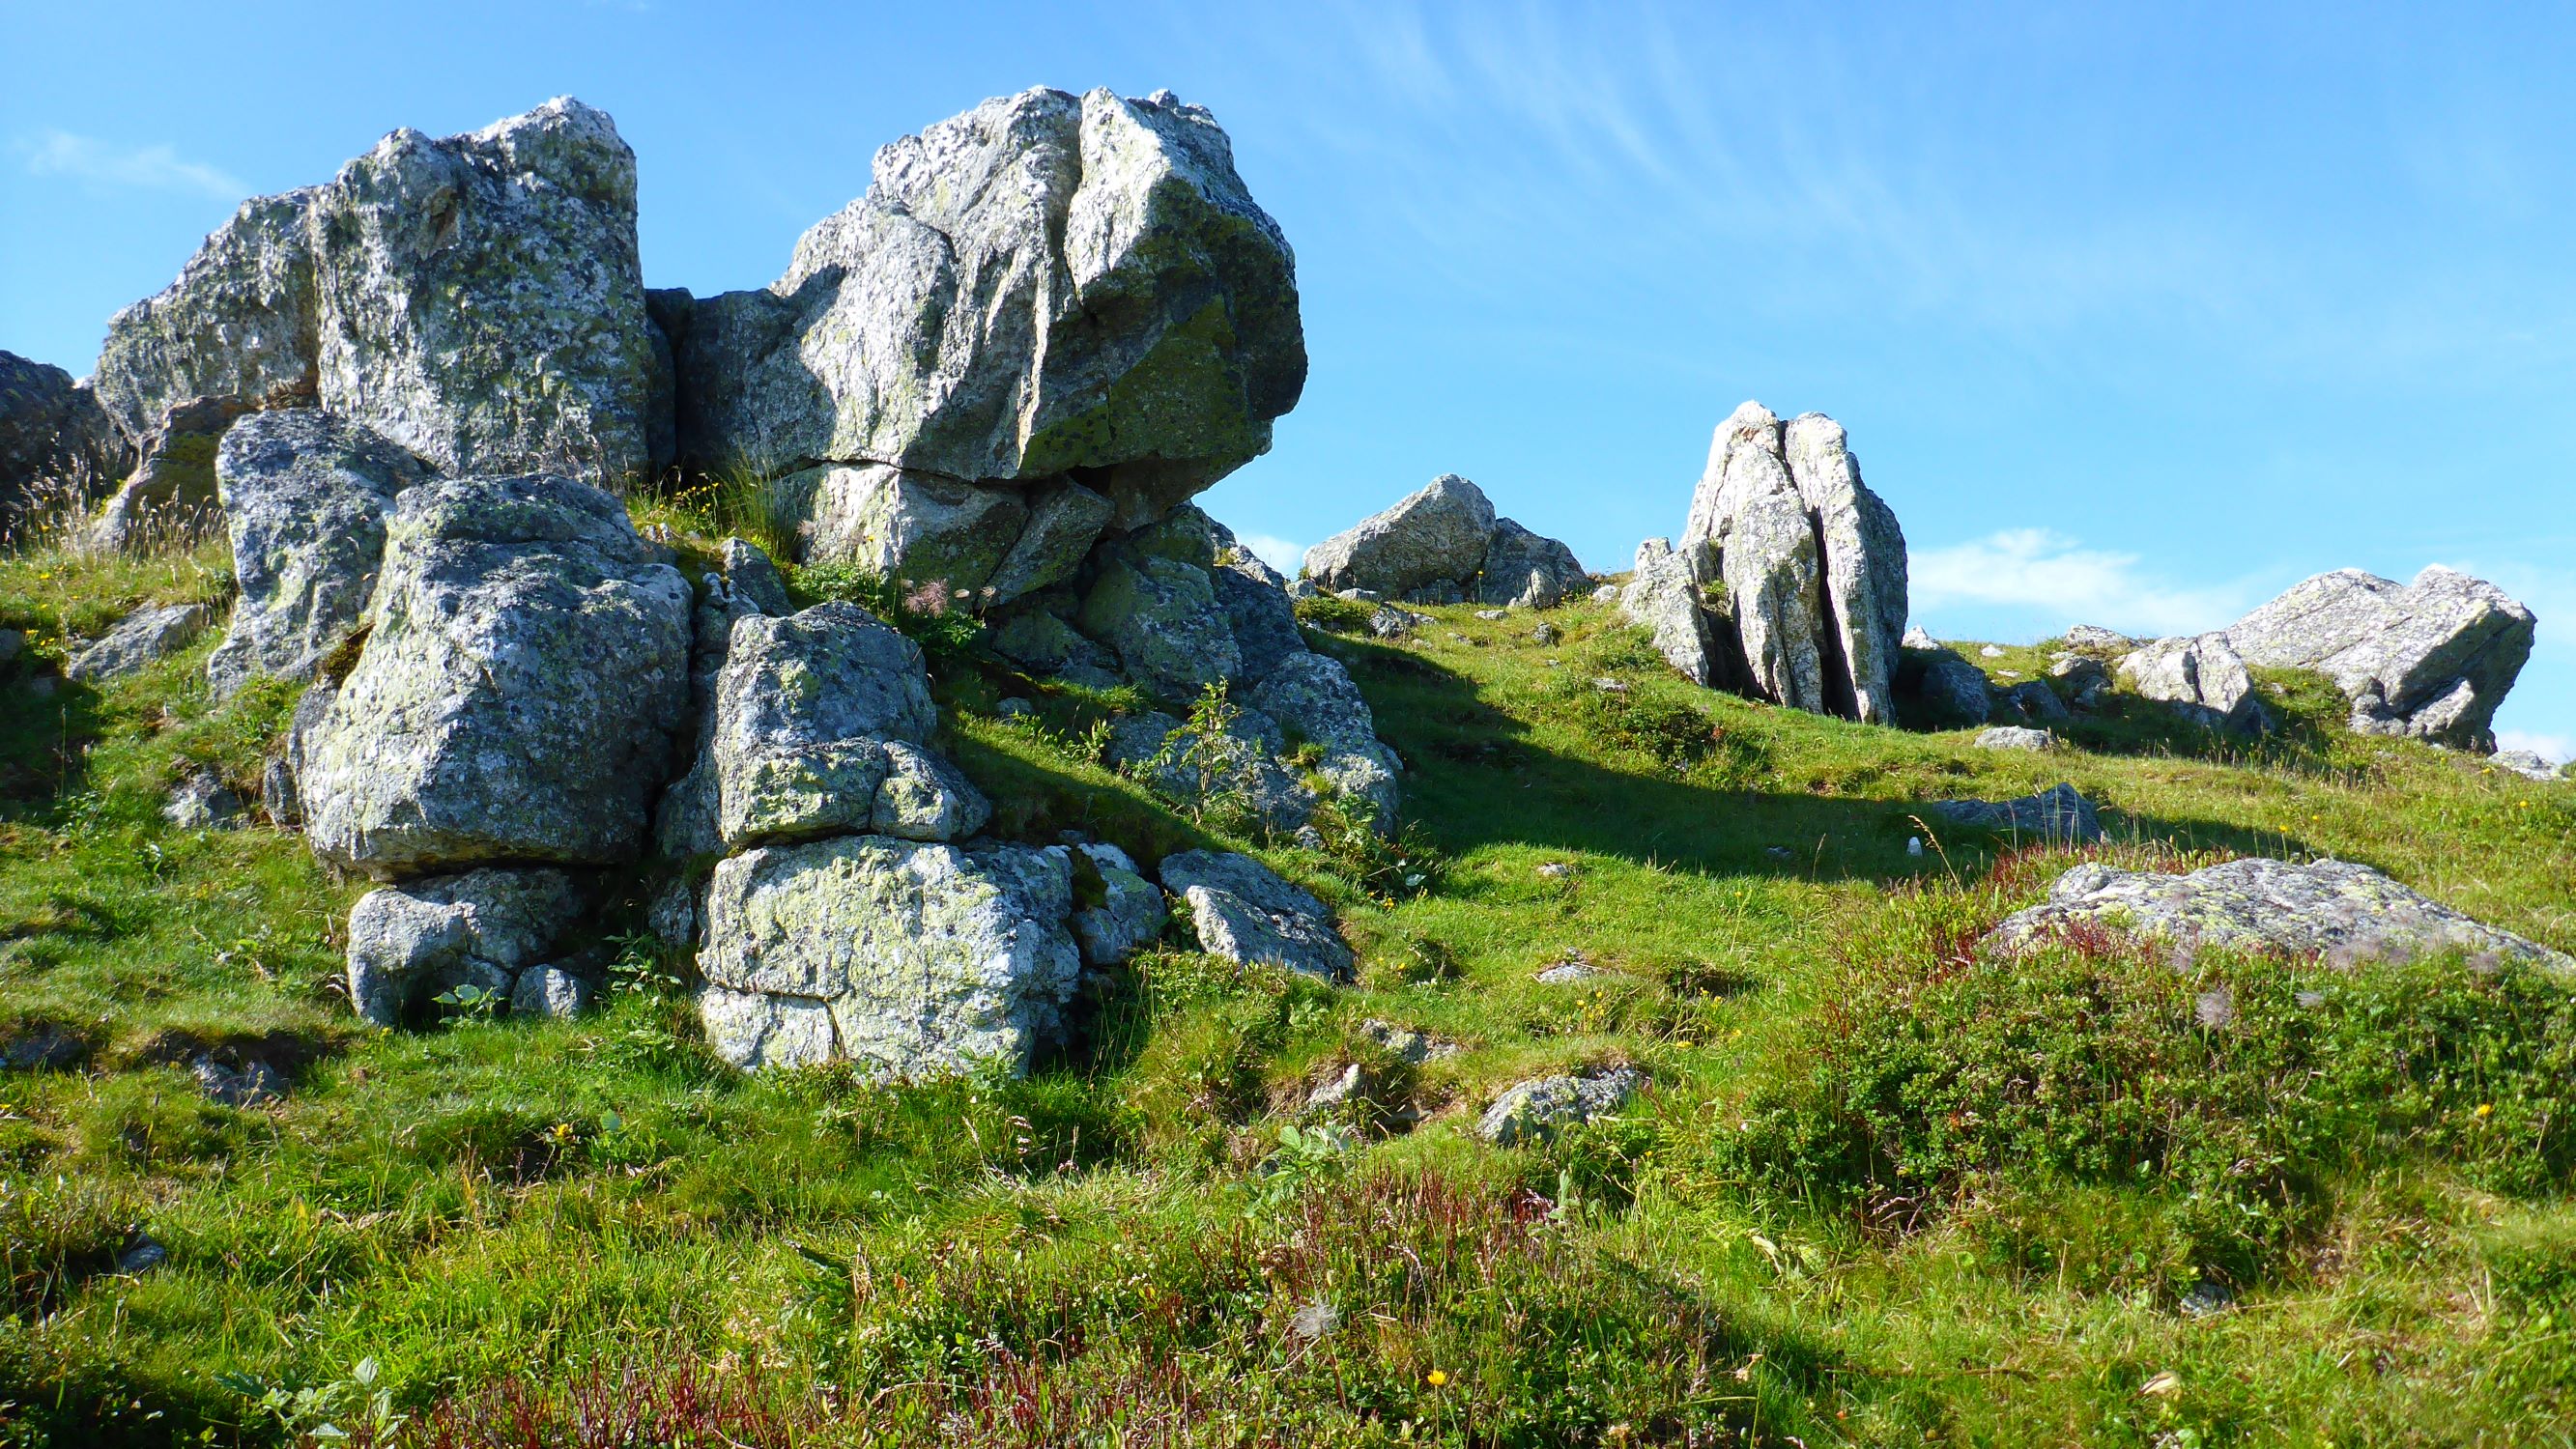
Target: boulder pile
<point>1443,545</point>
<point>994,380</point>
<point>1789,581</point>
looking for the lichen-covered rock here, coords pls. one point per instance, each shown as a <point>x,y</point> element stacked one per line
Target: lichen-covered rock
<point>1663,595</point>
<point>525,668</point>
<point>2202,677</point>
<point>304,494</point>
<point>143,638</point>
<point>1130,913</point>
<point>414,941</point>
<point>1523,570</point>
<point>243,320</point>
<point>2339,912</point>
<point>202,801</point>
<point>1042,285</point>
<point>1313,696</point>
<point>1243,911</point>
<point>1864,567</point>
<point>1064,520</point>
<point>556,992</point>
<point>910,959</point>
<point>1437,534</point>
<point>478,300</point>
<point>2431,659</point>
<point>751,574</point>
<point>52,430</point>
<point>924,797</point>
<point>912,527</point>
<point>1258,612</point>
<point>172,492</point>
<point>2015,737</point>
<point>2057,815</point>
<point>1161,616</point>
<point>1532,1112</point>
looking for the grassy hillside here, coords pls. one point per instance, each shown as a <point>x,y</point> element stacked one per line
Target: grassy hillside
<point>1878,1192</point>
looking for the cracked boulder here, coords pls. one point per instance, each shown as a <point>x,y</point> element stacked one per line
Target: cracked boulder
<point>1442,544</point>
<point>411,942</point>
<point>304,494</point>
<point>526,666</point>
<point>477,300</point>
<point>910,959</point>
<point>2332,910</point>
<point>1811,561</point>
<point>1242,911</point>
<point>1047,316</point>
<point>2430,660</point>
<point>2202,677</point>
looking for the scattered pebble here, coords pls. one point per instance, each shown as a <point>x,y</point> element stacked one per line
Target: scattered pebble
<point>1544,635</point>
<point>1991,652</point>
<point>1556,870</point>
<point>141,1255</point>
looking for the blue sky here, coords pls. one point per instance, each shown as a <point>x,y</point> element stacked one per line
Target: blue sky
<point>2135,318</point>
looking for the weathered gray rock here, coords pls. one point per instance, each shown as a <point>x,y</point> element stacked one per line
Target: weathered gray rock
<point>477,300</point>
<point>143,638</point>
<point>2202,676</point>
<point>1390,622</point>
<point>1235,769</point>
<point>1665,596</point>
<point>556,992</point>
<point>1161,616</point>
<point>254,1083</point>
<point>1243,911</point>
<point>2342,913</point>
<point>1529,1113</point>
<point>2036,702</point>
<point>2431,659</point>
<point>1064,520</point>
<point>2098,639</point>
<point>913,527</point>
<point>2529,764</point>
<point>1812,561</point>
<point>1130,914</point>
<point>1312,697</point>
<point>304,494</point>
<point>1042,285</point>
<point>1413,1048</point>
<point>750,573</point>
<point>2086,679</point>
<point>1043,643</point>
<point>2057,815</point>
<point>202,801</point>
<point>172,492</point>
<point>1948,689</point>
<point>52,432</point>
<point>242,321</point>
<point>2015,737</point>
<point>1259,611</point>
<point>525,669</point>
<point>910,959</point>
<point>1526,571</point>
<point>924,797</point>
<point>482,928</point>
<point>806,708</point>
<point>1435,535</point>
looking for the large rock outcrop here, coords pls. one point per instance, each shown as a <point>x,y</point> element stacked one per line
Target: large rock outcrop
<point>477,300</point>
<point>2342,913</point>
<point>1046,290</point>
<point>526,664</point>
<point>1442,544</point>
<point>2431,659</point>
<point>1800,567</point>
<point>304,494</point>
<point>52,431</point>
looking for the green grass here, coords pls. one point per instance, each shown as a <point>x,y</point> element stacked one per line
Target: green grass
<point>1878,1193</point>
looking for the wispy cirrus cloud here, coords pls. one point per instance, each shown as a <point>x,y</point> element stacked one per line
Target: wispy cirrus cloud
<point>142,168</point>
<point>2052,581</point>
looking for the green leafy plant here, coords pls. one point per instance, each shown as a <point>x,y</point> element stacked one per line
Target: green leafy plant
<point>471,1002</point>
<point>931,613</point>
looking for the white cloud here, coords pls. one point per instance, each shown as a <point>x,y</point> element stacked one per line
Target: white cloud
<point>2042,573</point>
<point>147,168</point>
<point>1279,553</point>
<point>2558,749</point>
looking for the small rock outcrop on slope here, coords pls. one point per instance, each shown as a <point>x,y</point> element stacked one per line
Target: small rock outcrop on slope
<point>52,431</point>
<point>1243,911</point>
<point>304,494</point>
<point>484,929</point>
<point>2202,676</point>
<point>2430,660</point>
<point>1048,316</point>
<point>2342,913</point>
<point>143,638</point>
<point>1442,544</point>
<point>1798,565</point>
<point>477,300</point>
<point>525,667</point>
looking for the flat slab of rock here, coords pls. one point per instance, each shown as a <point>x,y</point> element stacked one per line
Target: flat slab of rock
<point>143,638</point>
<point>911,959</point>
<point>2430,660</point>
<point>526,665</point>
<point>2336,911</point>
<point>1243,911</point>
<point>2058,815</point>
<point>1532,1112</point>
<point>2015,737</point>
<point>304,494</point>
